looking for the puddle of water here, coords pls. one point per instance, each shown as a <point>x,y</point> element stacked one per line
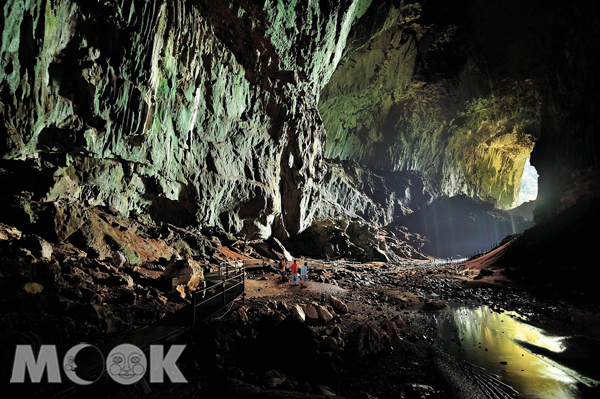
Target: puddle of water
<point>489,339</point>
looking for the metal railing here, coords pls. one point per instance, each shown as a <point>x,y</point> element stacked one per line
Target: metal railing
<point>234,276</point>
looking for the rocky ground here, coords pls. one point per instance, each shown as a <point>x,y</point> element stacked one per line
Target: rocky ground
<point>359,331</point>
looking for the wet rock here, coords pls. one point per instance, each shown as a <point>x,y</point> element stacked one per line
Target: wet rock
<point>434,305</point>
<point>186,271</point>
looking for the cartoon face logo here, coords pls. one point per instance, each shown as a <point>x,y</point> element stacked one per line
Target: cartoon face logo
<point>70,365</point>
<point>126,364</point>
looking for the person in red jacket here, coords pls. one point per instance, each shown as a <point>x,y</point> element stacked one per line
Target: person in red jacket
<point>294,270</point>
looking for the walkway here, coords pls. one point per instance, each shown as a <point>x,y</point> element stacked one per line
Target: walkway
<point>222,288</point>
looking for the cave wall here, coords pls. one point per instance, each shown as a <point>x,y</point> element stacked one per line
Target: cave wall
<point>555,45</point>
<point>413,97</point>
<point>204,113</point>
<point>352,191</point>
<point>463,93</point>
<point>200,113</point>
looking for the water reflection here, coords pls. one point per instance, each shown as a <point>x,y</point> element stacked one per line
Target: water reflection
<point>489,340</point>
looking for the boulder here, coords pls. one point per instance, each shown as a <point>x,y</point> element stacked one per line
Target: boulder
<point>8,233</point>
<point>181,290</point>
<point>297,312</point>
<point>278,317</point>
<point>312,317</point>
<point>68,218</point>
<point>336,332</point>
<point>240,315</point>
<point>369,339</point>
<point>398,321</point>
<point>329,344</point>
<point>119,279</point>
<point>390,328</point>
<point>339,305</point>
<point>282,306</point>
<point>186,272</point>
<point>39,247</point>
<point>324,315</point>
<point>118,259</point>
<point>279,246</point>
<point>418,391</point>
<point>434,305</point>
<point>33,288</point>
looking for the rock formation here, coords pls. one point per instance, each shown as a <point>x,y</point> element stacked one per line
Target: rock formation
<point>198,113</point>
<point>462,93</point>
<point>206,113</point>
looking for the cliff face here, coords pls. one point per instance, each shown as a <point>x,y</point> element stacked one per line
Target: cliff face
<point>412,97</point>
<point>199,113</point>
<point>463,92</point>
<point>352,191</point>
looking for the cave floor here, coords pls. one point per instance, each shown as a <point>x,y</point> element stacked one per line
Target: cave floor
<point>382,342</point>
<point>256,350</point>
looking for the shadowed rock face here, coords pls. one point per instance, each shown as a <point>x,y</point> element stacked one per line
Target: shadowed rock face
<point>414,96</point>
<point>462,91</point>
<point>353,191</point>
<point>199,113</point>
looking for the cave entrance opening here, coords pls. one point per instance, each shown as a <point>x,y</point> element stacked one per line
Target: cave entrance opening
<point>529,185</point>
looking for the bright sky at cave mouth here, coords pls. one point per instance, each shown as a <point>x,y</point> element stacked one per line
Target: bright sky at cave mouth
<point>529,186</point>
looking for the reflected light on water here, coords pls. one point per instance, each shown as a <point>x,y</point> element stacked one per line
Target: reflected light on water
<point>487,339</point>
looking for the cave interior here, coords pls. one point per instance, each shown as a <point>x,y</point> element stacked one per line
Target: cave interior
<point>140,134</point>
